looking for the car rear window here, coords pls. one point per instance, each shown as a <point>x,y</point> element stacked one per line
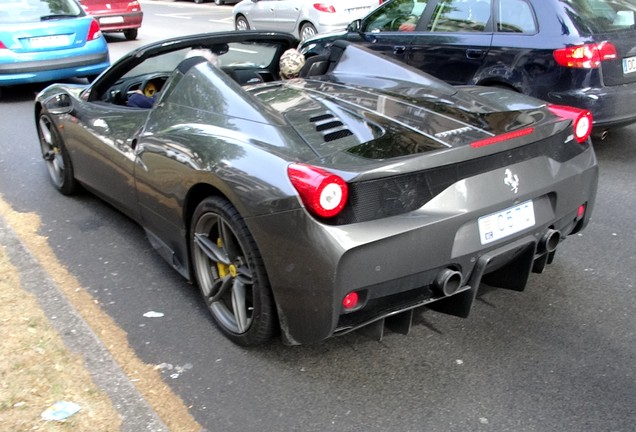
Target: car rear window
<point>601,16</point>
<point>37,10</point>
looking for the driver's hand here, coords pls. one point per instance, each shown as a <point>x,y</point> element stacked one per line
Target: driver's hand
<point>406,27</point>
<point>138,92</point>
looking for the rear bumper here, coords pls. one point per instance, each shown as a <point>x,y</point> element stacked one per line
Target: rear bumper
<point>130,21</point>
<point>55,65</point>
<point>393,263</point>
<point>610,106</point>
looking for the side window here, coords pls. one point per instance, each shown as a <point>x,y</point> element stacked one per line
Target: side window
<point>516,16</point>
<point>460,16</point>
<point>398,15</point>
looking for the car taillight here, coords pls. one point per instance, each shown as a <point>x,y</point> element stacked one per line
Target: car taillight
<point>350,301</point>
<point>322,7</point>
<point>587,56</point>
<point>323,193</point>
<point>133,6</point>
<point>503,137</point>
<point>581,120</point>
<point>2,46</point>
<point>93,31</point>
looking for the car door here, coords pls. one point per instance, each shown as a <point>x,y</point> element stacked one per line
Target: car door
<point>390,28</point>
<point>452,39</point>
<point>262,14</point>
<point>104,153</point>
<point>287,13</point>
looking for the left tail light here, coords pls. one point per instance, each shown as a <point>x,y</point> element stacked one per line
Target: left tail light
<point>323,193</point>
<point>93,31</point>
<point>581,120</point>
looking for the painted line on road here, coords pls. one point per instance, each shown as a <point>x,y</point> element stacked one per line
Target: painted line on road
<point>178,16</point>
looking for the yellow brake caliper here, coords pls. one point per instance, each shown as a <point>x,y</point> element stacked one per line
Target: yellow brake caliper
<point>223,268</point>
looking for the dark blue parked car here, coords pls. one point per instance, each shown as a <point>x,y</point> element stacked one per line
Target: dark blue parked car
<point>572,52</point>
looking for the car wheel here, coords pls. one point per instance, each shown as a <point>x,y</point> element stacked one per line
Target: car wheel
<point>230,273</point>
<point>219,2</point>
<point>241,23</point>
<point>131,34</point>
<point>307,30</point>
<point>57,159</point>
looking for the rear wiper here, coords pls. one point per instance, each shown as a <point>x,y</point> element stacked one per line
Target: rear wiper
<point>56,16</point>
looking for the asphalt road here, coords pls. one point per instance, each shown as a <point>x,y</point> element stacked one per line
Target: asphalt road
<point>559,356</point>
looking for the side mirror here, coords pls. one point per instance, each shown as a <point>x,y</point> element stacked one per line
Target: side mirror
<point>59,104</point>
<point>354,26</point>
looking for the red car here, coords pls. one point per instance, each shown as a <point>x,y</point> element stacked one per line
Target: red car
<point>116,15</point>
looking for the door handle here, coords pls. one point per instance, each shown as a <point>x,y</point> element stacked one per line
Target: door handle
<point>474,54</point>
<point>399,49</point>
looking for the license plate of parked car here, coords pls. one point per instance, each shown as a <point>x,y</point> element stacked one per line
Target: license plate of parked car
<point>48,41</point>
<point>506,222</point>
<point>629,65</point>
<point>111,20</point>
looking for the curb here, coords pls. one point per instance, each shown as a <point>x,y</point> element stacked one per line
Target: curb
<point>136,414</point>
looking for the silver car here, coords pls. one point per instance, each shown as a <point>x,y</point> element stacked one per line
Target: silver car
<point>302,18</point>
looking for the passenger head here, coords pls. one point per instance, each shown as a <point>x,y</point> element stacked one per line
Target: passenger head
<point>205,53</point>
<point>291,62</point>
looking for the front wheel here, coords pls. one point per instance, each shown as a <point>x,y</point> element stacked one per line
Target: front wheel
<point>56,156</point>
<point>241,23</point>
<point>230,273</point>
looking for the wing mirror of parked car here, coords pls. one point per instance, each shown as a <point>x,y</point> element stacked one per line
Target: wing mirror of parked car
<point>354,26</point>
<point>59,104</point>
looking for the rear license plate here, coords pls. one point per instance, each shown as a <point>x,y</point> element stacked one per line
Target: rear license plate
<point>48,41</point>
<point>629,65</point>
<point>506,222</point>
<point>111,20</point>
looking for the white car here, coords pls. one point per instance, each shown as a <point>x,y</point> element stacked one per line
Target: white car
<point>302,18</point>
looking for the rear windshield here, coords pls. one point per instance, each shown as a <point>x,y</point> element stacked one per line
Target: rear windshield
<point>601,16</point>
<point>20,11</point>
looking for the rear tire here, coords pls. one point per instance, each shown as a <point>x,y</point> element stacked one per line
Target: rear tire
<point>56,156</point>
<point>307,30</point>
<point>241,23</point>
<point>230,273</point>
<point>131,34</point>
<point>219,2</point>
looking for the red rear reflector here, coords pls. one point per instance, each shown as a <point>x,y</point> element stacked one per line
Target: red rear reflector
<point>351,300</point>
<point>93,31</point>
<point>587,56</point>
<point>2,45</point>
<point>581,120</point>
<point>322,7</point>
<point>580,212</point>
<point>503,137</point>
<point>323,193</point>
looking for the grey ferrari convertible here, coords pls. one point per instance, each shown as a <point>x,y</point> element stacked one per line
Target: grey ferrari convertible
<point>339,200</point>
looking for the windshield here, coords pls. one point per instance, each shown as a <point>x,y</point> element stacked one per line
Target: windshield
<point>601,16</point>
<point>21,11</point>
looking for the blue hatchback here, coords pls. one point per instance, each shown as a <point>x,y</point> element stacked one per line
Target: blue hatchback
<point>49,40</point>
<point>568,52</point>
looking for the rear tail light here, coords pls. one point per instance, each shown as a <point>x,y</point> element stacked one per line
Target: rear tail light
<point>503,137</point>
<point>581,120</point>
<point>323,7</point>
<point>93,31</point>
<point>587,56</point>
<point>580,212</point>
<point>133,6</point>
<point>323,193</point>
<point>2,46</point>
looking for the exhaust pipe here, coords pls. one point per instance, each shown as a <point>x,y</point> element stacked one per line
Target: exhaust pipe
<point>448,281</point>
<point>600,135</point>
<point>550,241</point>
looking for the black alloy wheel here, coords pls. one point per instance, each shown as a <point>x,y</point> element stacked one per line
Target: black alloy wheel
<point>56,157</point>
<point>230,273</point>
